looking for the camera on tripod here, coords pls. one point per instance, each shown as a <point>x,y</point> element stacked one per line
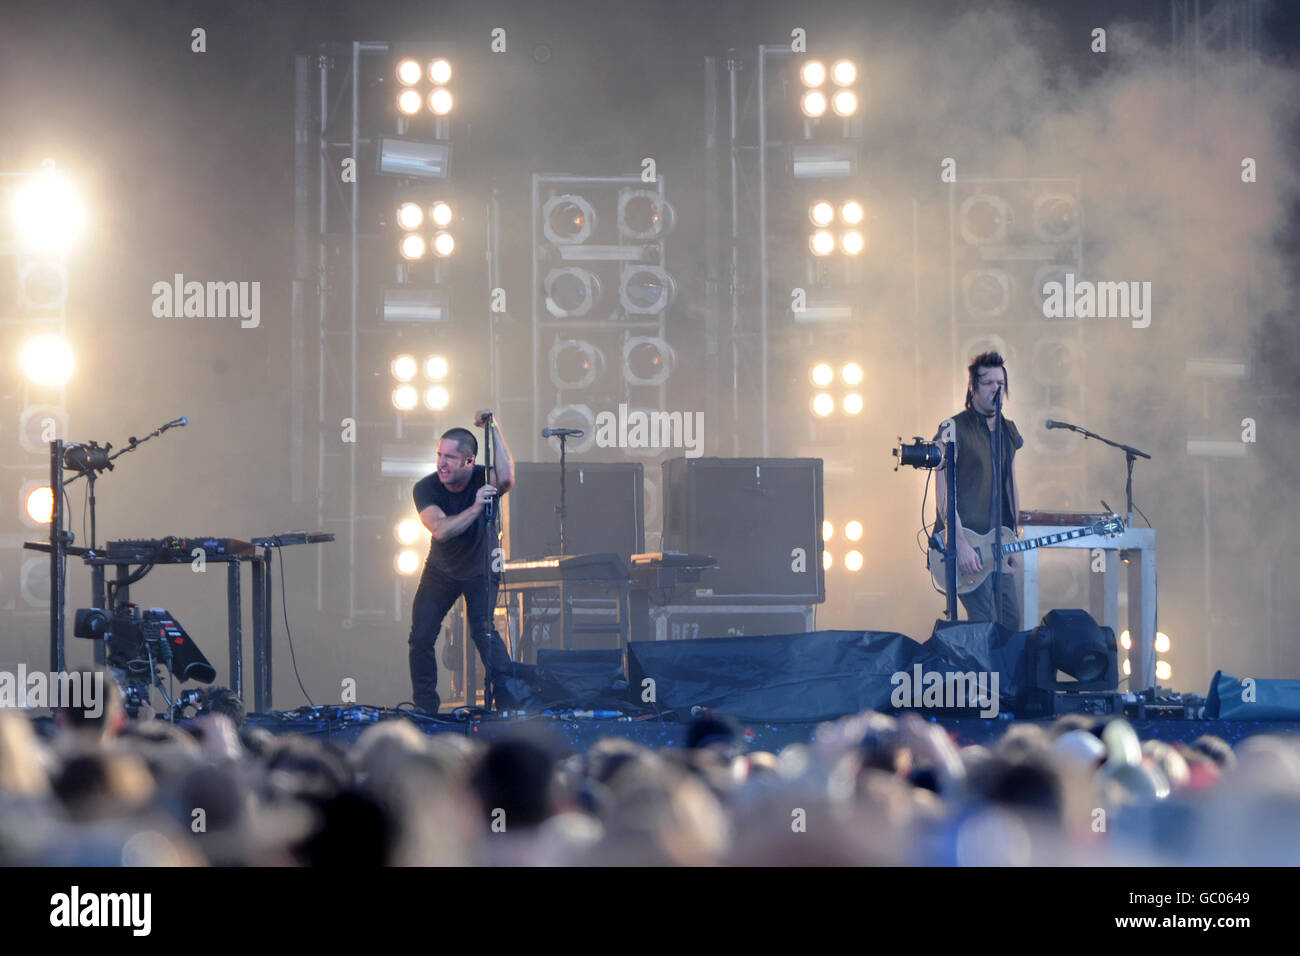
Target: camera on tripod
<point>136,642</point>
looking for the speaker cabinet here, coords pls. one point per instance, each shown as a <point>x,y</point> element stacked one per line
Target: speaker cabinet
<point>604,501</point>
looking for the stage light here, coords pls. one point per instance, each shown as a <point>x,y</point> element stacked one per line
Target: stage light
<point>440,213</point>
<point>407,531</point>
<point>648,360</point>
<point>823,160</point>
<point>568,220</point>
<point>1056,217</point>
<point>444,244</point>
<point>984,219</point>
<point>404,368</point>
<point>42,285</point>
<point>407,562</point>
<point>644,215</point>
<point>851,212</point>
<point>822,404</point>
<point>844,72</point>
<point>1125,641</point>
<point>1162,642</point>
<point>813,103</point>
<point>409,101</point>
<point>821,375</point>
<point>405,398</point>
<point>821,242</point>
<point>440,72</point>
<point>411,158</point>
<point>852,242</point>
<point>413,246</point>
<point>410,215</point>
<point>813,73</point>
<point>987,292</point>
<point>575,364</point>
<point>46,360</point>
<point>408,72</point>
<point>852,403</point>
<point>828,530</point>
<point>844,103</point>
<point>440,101</point>
<point>851,373</point>
<point>828,561</point>
<point>1126,667</point>
<point>437,398</point>
<point>1163,670</point>
<point>821,213</point>
<point>435,368</point>
<point>573,416</point>
<point>406,303</point>
<point>48,212</point>
<point>571,292</point>
<point>853,560</point>
<point>646,290</point>
<point>34,426</point>
<point>38,504</point>
<point>853,531</point>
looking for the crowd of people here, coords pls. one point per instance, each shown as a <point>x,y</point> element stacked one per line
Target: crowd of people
<point>869,789</point>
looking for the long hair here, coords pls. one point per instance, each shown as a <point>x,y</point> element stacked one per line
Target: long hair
<point>986,360</point>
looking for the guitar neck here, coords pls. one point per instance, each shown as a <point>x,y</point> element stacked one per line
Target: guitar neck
<point>1045,540</point>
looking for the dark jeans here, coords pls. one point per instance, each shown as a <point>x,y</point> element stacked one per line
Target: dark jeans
<point>433,599</point>
<point>979,603</point>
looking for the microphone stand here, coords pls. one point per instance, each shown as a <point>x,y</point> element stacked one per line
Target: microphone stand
<point>489,519</point>
<point>997,450</point>
<point>1131,455</point>
<point>561,510</point>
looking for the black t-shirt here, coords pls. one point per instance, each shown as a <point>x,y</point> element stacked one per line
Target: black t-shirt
<point>464,556</point>
<point>975,472</point>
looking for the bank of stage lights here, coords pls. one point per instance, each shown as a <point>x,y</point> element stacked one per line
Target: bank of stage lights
<point>423,86</point>
<point>408,531</point>
<point>1163,669</point>
<point>823,241</point>
<point>406,394</point>
<point>837,97</point>
<point>424,230</point>
<point>853,534</point>
<point>823,402</point>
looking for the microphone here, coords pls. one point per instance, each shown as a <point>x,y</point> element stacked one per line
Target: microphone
<point>557,432</point>
<point>180,421</point>
<point>1054,424</point>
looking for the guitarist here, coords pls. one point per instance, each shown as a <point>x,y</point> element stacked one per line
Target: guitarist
<point>975,437</point>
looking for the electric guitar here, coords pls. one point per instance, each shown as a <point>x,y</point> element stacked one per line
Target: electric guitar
<point>983,546</point>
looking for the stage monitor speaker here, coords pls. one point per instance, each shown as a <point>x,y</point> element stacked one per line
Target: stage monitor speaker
<point>604,501</point>
<point>760,517</point>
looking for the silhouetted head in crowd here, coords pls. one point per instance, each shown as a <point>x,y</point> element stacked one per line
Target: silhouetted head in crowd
<point>98,785</point>
<point>1217,749</point>
<point>100,714</point>
<point>720,732</point>
<point>516,776</point>
<point>355,830</point>
<point>223,700</point>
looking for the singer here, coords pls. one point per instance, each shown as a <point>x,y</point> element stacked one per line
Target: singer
<point>979,454</point>
<point>451,505</point>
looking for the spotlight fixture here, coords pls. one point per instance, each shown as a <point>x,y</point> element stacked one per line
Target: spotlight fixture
<point>406,563</point>
<point>821,242</point>
<point>984,219</point>
<point>853,531</point>
<point>439,72</point>
<point>851,212</point>
<point>813,104</point>
<point>404,367</point>
<point>568,220</point>
<point>1056,217</point>
<point>435,368</point>
<point>408,72</point>
<point>38,504</point>
<point>844,103</point>
<point>645,215</point>
<point>852,403</point>
<point>853,560</point>
<point>436,398</point>
<point>48,212</point>
<point>409,102</point>
<point>440,213</point>
<point>852,243</point>
<point>821,375</point>
<point>821,213</point>
<point>413,246</point>
<point>407,531</point>
<point>828,530</point>
<point>575,364</point>
<point>410,215</point>
<point>443,244</point>
<point>46,360</point>
<point>828,561</point>
<point>647,360</point>
<point>822,404</point>
<point>571,292</point>
<point>646,290</point>
<point>813,73</point>
<point>844,72</point>
<point>405,398</point>
<point>851,374</point>
<point>440,101</point>
<point>42,285</point>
